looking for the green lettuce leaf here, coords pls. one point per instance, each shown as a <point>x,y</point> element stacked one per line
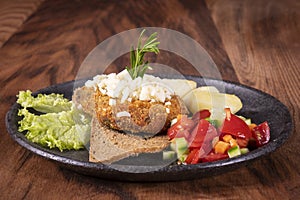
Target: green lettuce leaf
<point>66,130</point>
<point>44,103</point>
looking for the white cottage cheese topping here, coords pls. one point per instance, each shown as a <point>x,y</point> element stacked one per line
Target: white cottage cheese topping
<point>121,86</point>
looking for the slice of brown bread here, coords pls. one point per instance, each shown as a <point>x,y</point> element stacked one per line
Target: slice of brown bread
<point>107,145</point>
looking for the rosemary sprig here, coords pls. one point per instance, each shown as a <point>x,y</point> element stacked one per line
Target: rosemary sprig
<point>138,66</point>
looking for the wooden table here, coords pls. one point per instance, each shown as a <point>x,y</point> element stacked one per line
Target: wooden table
<point>256,43</point>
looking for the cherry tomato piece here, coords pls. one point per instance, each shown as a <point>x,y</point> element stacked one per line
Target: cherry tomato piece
<point>261,134</point>
<point>235,126</point>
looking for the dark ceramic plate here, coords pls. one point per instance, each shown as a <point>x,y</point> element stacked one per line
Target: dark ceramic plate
<point>257,105</point>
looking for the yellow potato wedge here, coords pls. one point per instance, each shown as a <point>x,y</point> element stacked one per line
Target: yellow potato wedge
<point>180,86</point>
<point>199,99</point>
<point>207,89</point>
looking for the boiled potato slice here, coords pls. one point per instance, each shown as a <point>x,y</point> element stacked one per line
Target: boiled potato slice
<point>199,99</point>
<point>180,86</point>
<point>208,89</point>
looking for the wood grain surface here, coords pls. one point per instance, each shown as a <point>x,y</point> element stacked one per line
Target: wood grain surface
<point>252,42</point>
<point>13,14</point>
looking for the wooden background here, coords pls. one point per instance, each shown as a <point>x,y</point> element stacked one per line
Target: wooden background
<point>254,42</point>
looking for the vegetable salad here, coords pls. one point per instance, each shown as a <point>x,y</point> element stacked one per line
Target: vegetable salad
<point>199,139</point>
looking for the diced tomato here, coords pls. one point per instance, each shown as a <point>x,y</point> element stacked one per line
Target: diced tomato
<point>203,132</point>
<point>261,134</point>
<point>214,157</point>
<point>235,126</point>
<point>193,157</point>
<point>242,142</point>
<point>202,114</point>
<point>181,128</point>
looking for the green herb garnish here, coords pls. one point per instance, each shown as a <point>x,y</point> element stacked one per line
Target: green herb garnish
<point>138,66</point>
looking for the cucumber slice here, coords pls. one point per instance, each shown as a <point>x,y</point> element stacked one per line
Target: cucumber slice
<point>182,158</point>
<point>234,151</point>
<point>169,155</point>
<point>173,145</point>
<point>244,150</point>
<point>181,146</point>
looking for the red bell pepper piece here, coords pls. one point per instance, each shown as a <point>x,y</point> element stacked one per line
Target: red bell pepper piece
<point>214,157</point>
<point>193,157</point>
<point>235,126</point>
<point>203,132</point>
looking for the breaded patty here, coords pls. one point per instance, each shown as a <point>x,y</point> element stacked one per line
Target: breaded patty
<point>141,117</point>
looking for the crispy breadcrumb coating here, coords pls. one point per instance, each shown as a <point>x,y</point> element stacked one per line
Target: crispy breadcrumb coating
<point>138,116</point>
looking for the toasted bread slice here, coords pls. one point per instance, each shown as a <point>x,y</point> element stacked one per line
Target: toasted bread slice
<point>107,145</point>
